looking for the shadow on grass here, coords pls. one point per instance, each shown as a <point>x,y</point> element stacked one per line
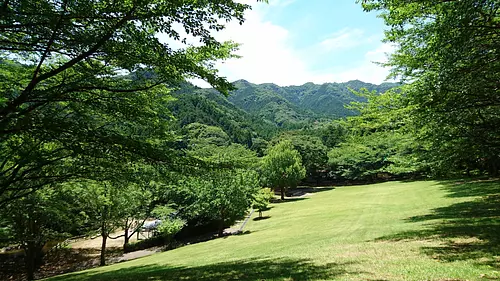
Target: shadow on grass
<point>288,200</point>
<point>300,191</point>
<point>261,218</point>
<point>250,269</point>
<point>470,230</point>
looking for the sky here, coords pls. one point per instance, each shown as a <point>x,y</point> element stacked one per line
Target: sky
<point>292,42</point>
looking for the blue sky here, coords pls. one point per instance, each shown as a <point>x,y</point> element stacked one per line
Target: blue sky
<point>291,42</point>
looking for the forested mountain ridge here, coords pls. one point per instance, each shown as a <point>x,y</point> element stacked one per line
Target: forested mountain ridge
<point>261,110</point>
<point>209,107</point>
<point>292,104</point>
<point>269,105</point>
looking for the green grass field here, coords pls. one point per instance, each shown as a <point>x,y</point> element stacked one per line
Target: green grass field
<point>389,231</point>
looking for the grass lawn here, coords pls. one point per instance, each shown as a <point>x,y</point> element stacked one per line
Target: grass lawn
<point>423,230</point>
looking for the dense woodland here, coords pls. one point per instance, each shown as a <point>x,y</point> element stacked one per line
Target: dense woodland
<point>99,130</point>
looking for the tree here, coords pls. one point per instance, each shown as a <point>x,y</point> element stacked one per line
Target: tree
<point>282,167</point>
<point>201,135</point>
<point>115,207</point>
<point>262,199</point>
<point>312,152</point>
<point>228,195</point>
<point>381,139</point>
<point>84,84</point>
<point>226,190</point>
<point>332,133</point>
<point>42,216</point>
<point>448,51</point>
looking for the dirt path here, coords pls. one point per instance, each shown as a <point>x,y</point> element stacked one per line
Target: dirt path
<point>96,242</point>
<point>137,254</point>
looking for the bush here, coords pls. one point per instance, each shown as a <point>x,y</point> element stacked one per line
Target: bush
<point>169,227</point>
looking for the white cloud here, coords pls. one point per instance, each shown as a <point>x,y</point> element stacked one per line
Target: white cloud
<point>267,55</point>
<point>343,39</point>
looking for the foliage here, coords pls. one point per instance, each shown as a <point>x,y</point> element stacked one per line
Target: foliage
<point>222,192</point>
<point>169,225</point>
<point>200,135</point>
<point>282,167</point>
<point>382,141</point>
<point>42,216</point>
<point>448,51</point>
<point>373,156</point>
<point>262,199</point>
<point>79,100</point>
<point>211,145</point>
<point>209,107</point>
<point>311,149</point>
<point>332,133</point>
<point>154,241</point>
<point>223,196</point>
<point>112,207</point>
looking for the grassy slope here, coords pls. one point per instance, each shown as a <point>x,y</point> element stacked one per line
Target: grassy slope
<point>388,231</point>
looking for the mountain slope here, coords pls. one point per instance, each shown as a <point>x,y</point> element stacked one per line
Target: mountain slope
<point>209,107</point>
<point>298,104</point>
<point>260,111</point>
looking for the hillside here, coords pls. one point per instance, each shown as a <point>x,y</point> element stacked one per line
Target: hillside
<point>292,104</point>
<point>390,231</point>
<point>209,107</point>
<point>261,110</point>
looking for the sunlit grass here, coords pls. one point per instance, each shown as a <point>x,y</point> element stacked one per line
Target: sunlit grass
<point>388,231</point>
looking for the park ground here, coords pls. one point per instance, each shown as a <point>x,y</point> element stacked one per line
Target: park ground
<point>424,230</point>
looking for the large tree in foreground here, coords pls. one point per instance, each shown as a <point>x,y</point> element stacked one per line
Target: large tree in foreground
<point>449,52</point>
<point>83,84</point>
<point>282,167</point>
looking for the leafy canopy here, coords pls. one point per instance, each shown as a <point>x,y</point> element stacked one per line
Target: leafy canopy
<point>282,166</point>
<point>448,51</point>
<point>84,85</point>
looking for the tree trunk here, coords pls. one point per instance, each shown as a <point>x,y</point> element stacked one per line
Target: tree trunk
<point>126,237</point>
<point>221,228</point>
<point>29,260</point>
<point>104,236</point>
<point>282,190</point>
<point>103,248</point>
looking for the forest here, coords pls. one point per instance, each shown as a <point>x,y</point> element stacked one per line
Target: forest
<point>101,130</point>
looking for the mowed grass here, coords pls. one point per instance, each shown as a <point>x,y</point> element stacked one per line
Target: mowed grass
<point>423,230</point>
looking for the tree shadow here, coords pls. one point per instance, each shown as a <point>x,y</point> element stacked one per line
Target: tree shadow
<point>288,200</point>
<point>248,269</point>
<point>302,190</point>
<point>470,230</point>
<point>472,187</point>
<point>261,218</point>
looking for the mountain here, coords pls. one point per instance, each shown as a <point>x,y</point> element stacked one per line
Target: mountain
<point>290,105</point>
<point>262,110</point>
<point>209,107</point>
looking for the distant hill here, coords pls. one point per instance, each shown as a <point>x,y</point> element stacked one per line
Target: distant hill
<point>261,110</point>
<point>210,107</point>
<point>296,104</point>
